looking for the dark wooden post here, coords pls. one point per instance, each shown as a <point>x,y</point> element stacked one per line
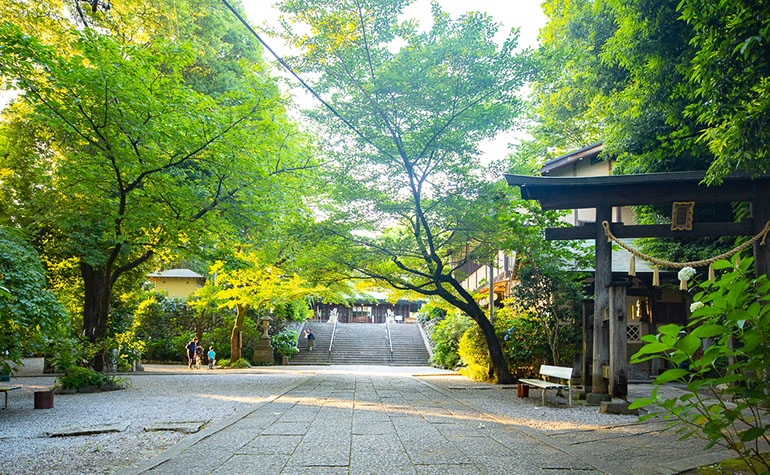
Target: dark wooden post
<point>760,214</point>
<point>588,344</point>
<point>618,380</point>
<point>602,277</point>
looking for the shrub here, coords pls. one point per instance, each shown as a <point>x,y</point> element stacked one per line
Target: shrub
<point>67,352</point>
<point>553,297</point>
<point>76,377</point>
<point>162,349</point>
<point>285,343</point>
<point>474,354</point>
<point>240,363</point>
<point>129,347</point>
<point>430,312</point>
<point>446,339</point>
<point>730,321</point>
<point>524,342</point>
<point>171,348</point>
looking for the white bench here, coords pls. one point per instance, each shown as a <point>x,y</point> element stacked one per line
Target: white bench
<point>5,389</point>
<point>559,372</point>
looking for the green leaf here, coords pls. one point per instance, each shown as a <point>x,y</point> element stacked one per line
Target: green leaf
<point>708,331</point>
<point>751,434</point>
<point>689,344</point>
<point>670,329</point>
<point>671,375</point>
<point>653,348</point>
<point>722,264</point>
<point>640,402</point>
<point>647,416</point>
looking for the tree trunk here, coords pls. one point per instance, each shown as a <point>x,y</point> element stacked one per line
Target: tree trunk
<point>96,306</point>
<point>495,350</point>
<point>235,337</point>
<point>472,309</point>
<point>199,326</point>
<point>553,341</point>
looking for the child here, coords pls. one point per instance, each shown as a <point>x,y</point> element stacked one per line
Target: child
<point>212,357</point>
<point>198,356</point>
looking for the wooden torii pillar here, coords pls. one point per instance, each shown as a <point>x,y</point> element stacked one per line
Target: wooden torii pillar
<point>607,330</point>
<point>609,362</point>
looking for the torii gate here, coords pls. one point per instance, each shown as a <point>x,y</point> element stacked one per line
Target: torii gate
<point>603,193</point>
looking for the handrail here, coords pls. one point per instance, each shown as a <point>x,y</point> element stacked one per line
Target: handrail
<point>331,343</point>
<point>390,339</point>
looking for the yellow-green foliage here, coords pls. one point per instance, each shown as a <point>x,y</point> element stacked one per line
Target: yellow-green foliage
<point>446,336</point>
<point>474,354</point>
<point>525,345</point>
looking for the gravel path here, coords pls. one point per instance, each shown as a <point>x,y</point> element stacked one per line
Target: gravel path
<point>177,396</point>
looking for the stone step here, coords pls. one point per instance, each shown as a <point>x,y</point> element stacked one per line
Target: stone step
<point>363,343</point>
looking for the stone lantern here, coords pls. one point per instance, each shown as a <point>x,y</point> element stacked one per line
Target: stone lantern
<point>263,352</point>
<point>266,326</point>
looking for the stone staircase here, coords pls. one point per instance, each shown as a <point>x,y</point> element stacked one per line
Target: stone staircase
<point>408,346</point>
<point>363,344</point>
<point>320,353</point>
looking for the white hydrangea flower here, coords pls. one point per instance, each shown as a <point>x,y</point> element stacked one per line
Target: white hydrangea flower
<point>686,273</point>
<point>695,306</point>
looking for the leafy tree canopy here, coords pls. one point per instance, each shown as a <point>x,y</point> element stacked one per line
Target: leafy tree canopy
<point>410,202</point>
<point>26,308</point>
<point>667,85</point>
<point>262,279</point>
<point>143,152</point>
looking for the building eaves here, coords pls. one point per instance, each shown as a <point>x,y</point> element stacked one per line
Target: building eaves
<point>572,157</point>
<point>177,273</point>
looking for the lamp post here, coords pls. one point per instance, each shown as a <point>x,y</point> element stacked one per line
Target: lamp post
<point>491,291</point>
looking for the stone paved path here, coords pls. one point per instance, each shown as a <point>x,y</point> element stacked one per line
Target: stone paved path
<point>337,423</point>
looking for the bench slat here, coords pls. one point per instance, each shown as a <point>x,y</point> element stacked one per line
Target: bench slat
<point>556,371</point>
<point>542,384</point>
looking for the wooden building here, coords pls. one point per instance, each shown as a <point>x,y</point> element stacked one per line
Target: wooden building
<point>178,283</point>
<point>367,311</point>
<point>606,350</point>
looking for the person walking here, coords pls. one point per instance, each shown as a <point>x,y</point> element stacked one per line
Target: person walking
<point>310,339</point>
<point>191,352</point>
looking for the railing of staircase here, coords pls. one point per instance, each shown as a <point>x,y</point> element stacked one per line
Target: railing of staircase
<point>390,339</point>
<point>331,343</point>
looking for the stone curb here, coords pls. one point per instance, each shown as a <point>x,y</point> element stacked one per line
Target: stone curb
<point>252,370</point>
<point>176,449</point>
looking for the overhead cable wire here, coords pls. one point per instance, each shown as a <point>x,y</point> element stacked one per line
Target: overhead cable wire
<point>293,73</point>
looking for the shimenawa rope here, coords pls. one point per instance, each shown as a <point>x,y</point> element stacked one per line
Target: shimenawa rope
<point>680,265</point>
